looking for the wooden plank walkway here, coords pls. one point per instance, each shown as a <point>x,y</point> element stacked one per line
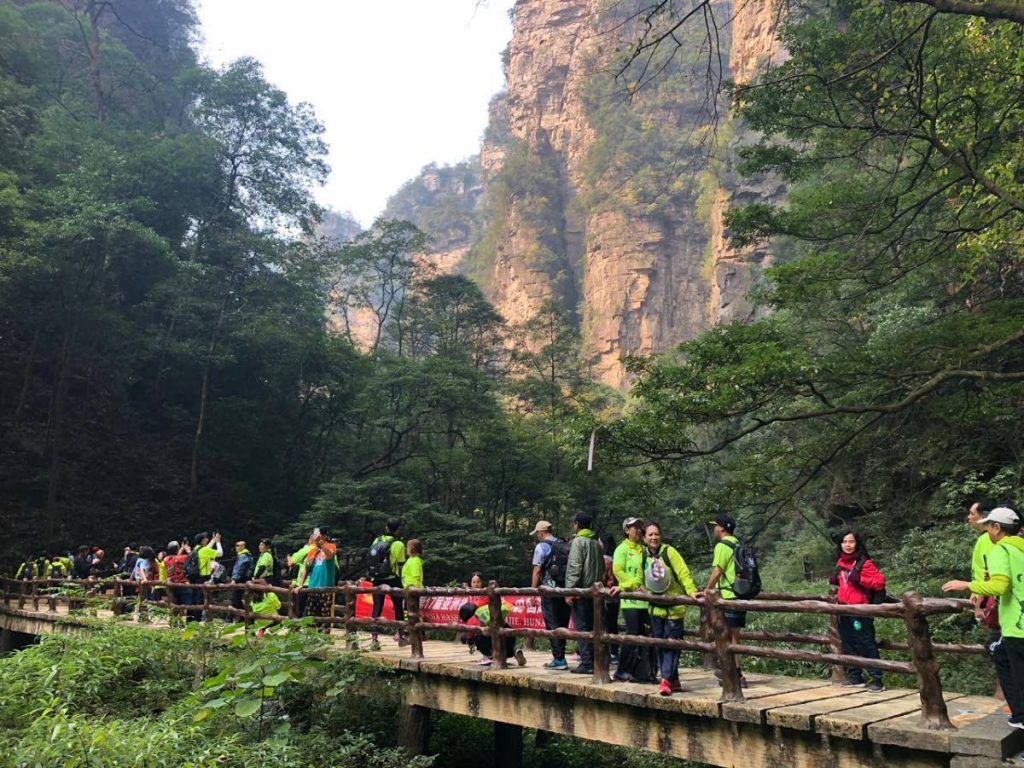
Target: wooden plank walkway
<point>791,704</point>
<point>782,722</point>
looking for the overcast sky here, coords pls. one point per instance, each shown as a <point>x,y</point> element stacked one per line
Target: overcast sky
<point>397,83</point>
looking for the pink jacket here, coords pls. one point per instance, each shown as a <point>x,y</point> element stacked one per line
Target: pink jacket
<point>871,580</point>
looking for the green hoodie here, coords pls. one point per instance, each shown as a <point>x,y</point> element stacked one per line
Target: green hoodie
<point>628,567</point>
<point>1006,581</point>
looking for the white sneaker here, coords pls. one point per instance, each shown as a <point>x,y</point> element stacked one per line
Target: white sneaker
<point>485,661</point>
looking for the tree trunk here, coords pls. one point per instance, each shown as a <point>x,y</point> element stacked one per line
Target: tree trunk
<point>60,395</point>
<point>204,396</point>
<point>26,379</point>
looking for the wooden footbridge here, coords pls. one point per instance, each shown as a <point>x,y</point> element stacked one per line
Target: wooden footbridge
<point>776,722</point>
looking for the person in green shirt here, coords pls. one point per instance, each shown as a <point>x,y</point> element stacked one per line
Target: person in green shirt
<point>265,562</point>
<point>667,620</point>
<point>412,571</point>
<point>1006,581</point>
<point>723,575</point>
<point>208,549</point>
<point>635,662</point>
<point>471,613</point>
<point>979,571</point>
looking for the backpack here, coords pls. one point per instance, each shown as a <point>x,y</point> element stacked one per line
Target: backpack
<point>654,577</point>
<point>192,567</point>
<point>747,584</point>
<point>57,570</point>
<point>378,561</point>
<point>557,562</point>
<point>175,565</point>
<point>876,596</point>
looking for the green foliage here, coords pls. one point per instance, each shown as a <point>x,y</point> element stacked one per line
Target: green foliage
<point>122,696</point>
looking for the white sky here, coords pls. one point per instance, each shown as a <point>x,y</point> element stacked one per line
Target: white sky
<point>397,83</point>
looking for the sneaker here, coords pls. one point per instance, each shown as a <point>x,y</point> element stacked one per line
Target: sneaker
<point>677,687</point>
<point>853,683</point>
<point>1019,724</point>
<point>581,669</point>
<point>665,688</point>
<point>623,677</point>
<point>557,664</point>
<point>374,645</point>
<point>743,682</point>
<point>521,658</point>
<point>613,659</point>
<point>718,674</point>
<point>484,662</point>
<point>877,687</point>
<point>403,641</point>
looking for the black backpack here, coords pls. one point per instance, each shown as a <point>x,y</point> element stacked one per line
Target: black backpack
<point>192,567</point>
<point>747,584</point>
<point>875,596</point>
<point>558,561</point>
<point>378,561</point>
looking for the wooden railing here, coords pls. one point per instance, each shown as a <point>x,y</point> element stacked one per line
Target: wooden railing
<point>711,639</point>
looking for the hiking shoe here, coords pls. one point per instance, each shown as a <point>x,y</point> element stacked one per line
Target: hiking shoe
<point>718,674</point>
<point>613,659</point>
<point>665,688</point>
<point>557,664</point>
<point>484,662</point>
<point>374,645</point>
<point>1013,723</point>
<point>743,682</point>
<point>853,684</point>
<point>403,641</point>
<point>623,677</point>
<point>521,658</point>
<point>677,687</point>
<point>877,687</point>
<point>581,669</point>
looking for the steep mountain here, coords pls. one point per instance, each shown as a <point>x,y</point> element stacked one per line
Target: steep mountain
<point>611,203</point>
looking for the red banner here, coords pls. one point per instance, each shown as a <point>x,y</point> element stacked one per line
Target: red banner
<point>526,613</point>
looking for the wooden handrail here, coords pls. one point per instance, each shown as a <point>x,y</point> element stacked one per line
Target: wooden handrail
<point>913,610</point>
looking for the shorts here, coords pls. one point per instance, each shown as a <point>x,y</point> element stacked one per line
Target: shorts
<point>735,619</point>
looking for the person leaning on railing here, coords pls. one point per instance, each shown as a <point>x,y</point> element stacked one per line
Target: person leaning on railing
<point>1006,581</point>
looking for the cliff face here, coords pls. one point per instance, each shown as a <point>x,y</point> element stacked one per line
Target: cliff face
<point>613,207</point>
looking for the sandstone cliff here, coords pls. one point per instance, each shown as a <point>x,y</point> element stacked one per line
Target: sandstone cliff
<point>613,206</point>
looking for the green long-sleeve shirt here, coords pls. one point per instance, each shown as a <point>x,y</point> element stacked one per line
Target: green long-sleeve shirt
<point>682,582</point>
<point>628,567</point>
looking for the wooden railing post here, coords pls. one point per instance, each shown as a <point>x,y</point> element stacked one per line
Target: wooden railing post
<point>602,654</point>
<point>497,641</point>
<point>835,642</point>
<point>247,617</point>
<point>35,595</point>
<point>731,689</point>
<point>707,635</point>
<point>293,607</point>
<point>412,620</point>
<point>351,634</point>
<point>207,602</point>
<point>933,705</point>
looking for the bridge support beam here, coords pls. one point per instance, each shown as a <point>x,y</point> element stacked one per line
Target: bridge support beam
<point>414,729</point>
<point>508,745</point>
<point>6,641</point>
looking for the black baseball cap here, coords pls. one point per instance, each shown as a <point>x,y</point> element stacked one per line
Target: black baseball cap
<point>725,521</point>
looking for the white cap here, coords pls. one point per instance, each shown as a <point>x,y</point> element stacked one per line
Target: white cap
<point>1001,515</point>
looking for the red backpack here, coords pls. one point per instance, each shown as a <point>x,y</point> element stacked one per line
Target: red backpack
<point>175,565</point>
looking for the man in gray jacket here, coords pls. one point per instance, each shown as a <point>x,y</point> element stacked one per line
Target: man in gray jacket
<point>586,566</point>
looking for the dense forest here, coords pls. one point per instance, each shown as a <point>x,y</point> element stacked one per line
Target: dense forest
<point>166,364</point>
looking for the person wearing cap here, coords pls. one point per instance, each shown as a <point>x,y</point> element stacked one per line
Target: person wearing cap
<point>723,575</point>
<point>628,567</point>
<point>554,609</point>
<point>985,608</point>
<point>241,572</point>
<point>1006,582</point>
<point>857,578</point>
<point>585,568</point>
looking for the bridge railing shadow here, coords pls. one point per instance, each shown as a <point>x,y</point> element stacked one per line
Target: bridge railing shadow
<point>337,606</point>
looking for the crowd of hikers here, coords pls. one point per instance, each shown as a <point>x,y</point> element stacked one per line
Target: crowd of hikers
<point>642,562</point>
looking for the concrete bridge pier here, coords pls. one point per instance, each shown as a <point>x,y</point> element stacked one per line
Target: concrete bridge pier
<point>6,641</point>
<point>414,729</point>
<point>508,745</point>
